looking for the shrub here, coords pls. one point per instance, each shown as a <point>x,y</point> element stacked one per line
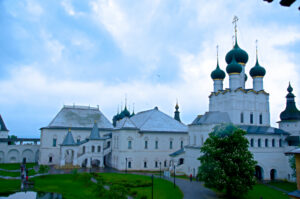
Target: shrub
<point>43,169</point>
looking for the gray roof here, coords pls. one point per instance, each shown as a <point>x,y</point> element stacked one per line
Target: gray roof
<point>79,117</point>
<point>212,117</point>
<point>154,120</point>
<point>95,132</point>
<point>125,123</point>
<point>2,125</point>
<point>262,130</point>
<point>178,152</point>
<point>69,140</point>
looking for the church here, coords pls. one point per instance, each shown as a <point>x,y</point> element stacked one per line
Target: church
<point>150,140</point>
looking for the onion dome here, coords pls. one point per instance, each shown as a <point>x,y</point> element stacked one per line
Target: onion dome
<point>234,67</point>
<point>257,70</point>
<point>217,73</point>
<point>125,113</point>
<point>246,77</point>
<point>291,112</point>
<point>240,55</point>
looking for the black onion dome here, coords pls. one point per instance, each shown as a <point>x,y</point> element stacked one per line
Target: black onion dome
<point>234,67</point>
<point>217,73</point>
<point>240,55</point>
<point>291,112</point>
<point>257,70</point>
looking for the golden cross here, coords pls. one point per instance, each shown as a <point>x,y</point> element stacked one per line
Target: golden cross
<point>235,19</point>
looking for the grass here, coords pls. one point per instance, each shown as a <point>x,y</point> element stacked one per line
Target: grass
<point>261,190</point>
<point>66,185</point>
<point>9,186</point>
<point>141,185</point>
<point>15,166</point>
<point>287,186</point>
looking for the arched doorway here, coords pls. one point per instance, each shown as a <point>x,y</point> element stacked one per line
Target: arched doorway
<point>95,163</point>
<point>273,174</point>
<point>259,172</point>
<point>84,163</point>
<point>69,156</point>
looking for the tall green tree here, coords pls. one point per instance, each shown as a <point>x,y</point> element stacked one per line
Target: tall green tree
<point>226,164</point>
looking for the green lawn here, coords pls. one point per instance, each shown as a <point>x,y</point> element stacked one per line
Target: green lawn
<point>9,186</point>
<point>261,190</point>
<point>287,186</point>
<point>141,185</point>
<point>15,166</point>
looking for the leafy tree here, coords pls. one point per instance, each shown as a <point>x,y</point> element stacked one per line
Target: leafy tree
<point>226,164</point>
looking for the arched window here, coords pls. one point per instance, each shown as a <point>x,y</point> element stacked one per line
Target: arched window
<point>99,149</point>
<point>266,142</point>
<point>171,144</point>
<point>145,164</point>
<point>273,142</point>
<point>165,163</point>
<point>242,117</point>
<point>83,149</point>
<point>259,143</point>
<point>260,119</point>
<point>252,142</point>
<point>156,144</point>
<point>129,144</point>
<point>181,144</point>
<point>146,144</point>
<point>93,149</point>
<point>156,164</point>
<point>280,143</point>
<point>129,164</point>
<point>251,118</point>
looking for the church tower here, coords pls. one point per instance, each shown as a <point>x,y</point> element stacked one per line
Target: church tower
<point>218,76</point>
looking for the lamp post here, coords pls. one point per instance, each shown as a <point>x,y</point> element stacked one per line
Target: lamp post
<point>126,165</point>
<point>160,169</point>
<point>174,175</point>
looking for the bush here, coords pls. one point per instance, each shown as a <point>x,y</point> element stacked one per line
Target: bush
<point>43,169</point>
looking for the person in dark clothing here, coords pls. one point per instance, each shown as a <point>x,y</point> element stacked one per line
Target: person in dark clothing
<point>191,178</point>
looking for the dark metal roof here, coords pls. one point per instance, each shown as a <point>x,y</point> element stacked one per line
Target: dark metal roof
<point>19,139</point>
<point>176,153</point>
<point>212,117</point>
<point>2,125</point>
<point>69,140</point>
<point>262,130</point>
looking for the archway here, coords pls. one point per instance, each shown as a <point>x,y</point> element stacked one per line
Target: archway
<point>259,172</point>
<point>273,174</point>
<point>28,155</point>
<point>69,156</point>
<point>95,163</point>
<point>13,156</point>
<point>84,162</point>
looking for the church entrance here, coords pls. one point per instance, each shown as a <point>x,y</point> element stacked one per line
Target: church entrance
<point>259,172</point>
<point>96,163</point>
<point>273,174</point>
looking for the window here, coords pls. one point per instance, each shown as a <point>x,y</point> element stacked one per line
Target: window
<point>156,164</point>
<point>252,142</point>
<point>129,164</point>
<point>251,118</point>
<point>242,117</point>
<point>99,149</point>
<point>156,144</point>
<point>280,143</point>
<point>171,144</point>
<point>83,149</point>
<point>258,143</point>
<point>273,142</point>
<point>165,163</point>
<point>260,119</point>
<point>78,141</point>
<point>54,142</point>
<point>194,140</point>
<point>93,149</point>
<point>50,159</point>
<point>145,164</point>
<point>129,144</point>
<point>108,144</point>
<point>266,142</point>
<point>146,144</point>
<point>181,161</point>
<point>181,144</point>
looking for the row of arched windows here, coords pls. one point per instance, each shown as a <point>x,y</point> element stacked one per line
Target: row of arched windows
<point>156,146</point>
<point>266,143</point>
<point>251,118</point>
<point>93,149</point>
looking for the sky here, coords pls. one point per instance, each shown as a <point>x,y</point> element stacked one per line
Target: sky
<point>154,52</point>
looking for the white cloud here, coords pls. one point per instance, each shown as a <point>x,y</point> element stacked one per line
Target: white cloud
<point>69,8</point>
<point>52,46</point>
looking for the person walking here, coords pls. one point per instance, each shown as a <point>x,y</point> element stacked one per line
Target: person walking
<point>191,178</point>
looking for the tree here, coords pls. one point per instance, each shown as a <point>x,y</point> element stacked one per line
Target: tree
<point>226,164</point>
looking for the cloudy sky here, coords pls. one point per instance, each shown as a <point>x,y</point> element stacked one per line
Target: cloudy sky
<point>154,51</point>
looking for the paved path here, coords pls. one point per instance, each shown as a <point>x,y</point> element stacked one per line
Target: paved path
<point>194,190</point>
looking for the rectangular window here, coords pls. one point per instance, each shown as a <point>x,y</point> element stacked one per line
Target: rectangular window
<point>273,142</point>
<point>129,164</point>
<point>252,142</point>
<point>181,144</point>
<point>156,144</point>
<point>251,118</point>
<point>156,164</point>
<point>145,164</point>
<point>129,144</point>
<point>99,149</point>
<point>242,117</point>
<point>258,143</point>
<point>50,159</point>
<point>146,144</point>
<point>165,163</point>
<point>260,119</point>
<point>54,142</point>
<point>171,144</point>
<point>280,143</point>
<point>266,142</point>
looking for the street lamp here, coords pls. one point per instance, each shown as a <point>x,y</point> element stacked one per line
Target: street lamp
<point>174,175</point>
<point>160,169</point>
<point>126,165</point>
